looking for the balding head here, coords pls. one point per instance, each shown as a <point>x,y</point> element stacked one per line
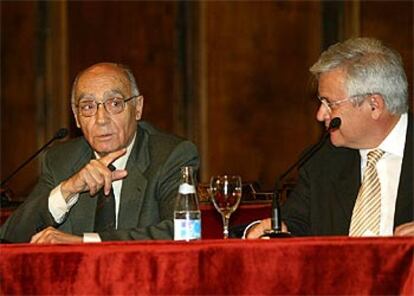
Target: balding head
<point>106,105</point>
<point>121,69</point>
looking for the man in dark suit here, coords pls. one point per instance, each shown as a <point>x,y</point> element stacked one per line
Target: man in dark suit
<point>362,82</point>
<point>140,188</point>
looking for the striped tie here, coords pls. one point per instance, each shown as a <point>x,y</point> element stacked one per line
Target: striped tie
<point>367,209</point>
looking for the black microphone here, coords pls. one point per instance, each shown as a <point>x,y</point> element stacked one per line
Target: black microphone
<point>276,221</point>
<point>60,134</point>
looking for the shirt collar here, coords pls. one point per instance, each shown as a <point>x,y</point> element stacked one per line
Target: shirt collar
<point>394,143</point>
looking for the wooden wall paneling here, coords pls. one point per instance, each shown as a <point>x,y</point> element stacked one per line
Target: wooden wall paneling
<point>57,84</point>
<point>187,79</point>
<point>392,22</point>
<point>231,75</point>
<point>332,17</point>
<point>352,19</point>
<point>202,93</point>
<point>51,70</point>
<point>18,93</point>
<point>141,34</point>
<point>33,46</point>
<point>260,100</point>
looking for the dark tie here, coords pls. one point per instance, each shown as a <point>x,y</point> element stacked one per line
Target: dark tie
<point>105,210</point>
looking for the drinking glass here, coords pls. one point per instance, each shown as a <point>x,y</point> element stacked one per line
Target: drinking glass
<point>226,192</point>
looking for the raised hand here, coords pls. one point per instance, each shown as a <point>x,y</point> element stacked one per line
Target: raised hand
<point>93,176</point>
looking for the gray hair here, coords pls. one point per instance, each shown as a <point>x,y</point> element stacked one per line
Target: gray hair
<point>126,69</point>
<point>371,68</point>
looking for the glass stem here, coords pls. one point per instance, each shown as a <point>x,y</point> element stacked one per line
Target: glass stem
<point>226,226</point>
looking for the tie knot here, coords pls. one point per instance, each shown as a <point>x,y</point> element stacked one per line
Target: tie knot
<point>374,156</point>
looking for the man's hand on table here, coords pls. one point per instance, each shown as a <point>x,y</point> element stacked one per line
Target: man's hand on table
<point>51,235</point>
<point>406,229</point>
<point>258,229</point>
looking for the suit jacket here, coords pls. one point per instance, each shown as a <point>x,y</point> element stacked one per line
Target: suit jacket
<point>323,200</point>
<point>147,195</point>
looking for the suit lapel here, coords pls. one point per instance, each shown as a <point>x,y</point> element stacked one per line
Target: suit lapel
<point>405,195</point>
<point>132,195</point>
<point>82,216</point>
<point>346,177</point>
<point>134,186</point>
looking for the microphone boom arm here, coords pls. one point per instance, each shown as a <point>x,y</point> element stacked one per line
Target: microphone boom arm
<point>60,134</point>
<point>276,220</point>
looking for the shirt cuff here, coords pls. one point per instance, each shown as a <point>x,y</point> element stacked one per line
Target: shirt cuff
<point>90,237</point>
<point>246,230</point>
<point>58,206</point>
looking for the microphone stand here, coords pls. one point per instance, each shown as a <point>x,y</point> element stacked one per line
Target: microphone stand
<point>276,220</point>
<point>6,193</point>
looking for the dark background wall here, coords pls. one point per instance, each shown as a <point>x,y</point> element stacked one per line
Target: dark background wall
<point>230,75</point>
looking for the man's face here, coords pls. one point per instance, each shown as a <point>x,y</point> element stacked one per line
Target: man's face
<point>105,132</point>
<point>353,131</point>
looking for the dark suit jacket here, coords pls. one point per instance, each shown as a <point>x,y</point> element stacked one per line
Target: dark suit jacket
<point>323,200</point>
<point>147,195</point>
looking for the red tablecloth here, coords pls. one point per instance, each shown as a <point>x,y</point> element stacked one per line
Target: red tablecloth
<point>287,266</point>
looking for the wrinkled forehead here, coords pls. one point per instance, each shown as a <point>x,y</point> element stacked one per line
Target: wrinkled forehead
<point>99,81</point>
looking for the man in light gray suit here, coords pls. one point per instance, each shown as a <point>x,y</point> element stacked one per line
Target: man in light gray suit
<point>119,158</point>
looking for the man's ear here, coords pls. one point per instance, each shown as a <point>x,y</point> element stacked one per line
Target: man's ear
<point>75,114</point>
<point>139,105</point>
<point>377,105</point>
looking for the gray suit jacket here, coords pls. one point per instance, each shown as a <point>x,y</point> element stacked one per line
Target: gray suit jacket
<point>147,196</point>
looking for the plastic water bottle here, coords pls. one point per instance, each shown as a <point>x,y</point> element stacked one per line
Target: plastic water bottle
<point>187,215</point>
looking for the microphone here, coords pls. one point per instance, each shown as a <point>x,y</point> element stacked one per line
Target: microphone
<point>60,134</point>
<point>276,220</point>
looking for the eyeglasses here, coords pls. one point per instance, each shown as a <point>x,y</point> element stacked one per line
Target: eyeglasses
<point>113,106</point>
<point>332,105</point>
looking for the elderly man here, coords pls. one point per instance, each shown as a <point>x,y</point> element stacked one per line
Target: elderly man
<point>361,183</point>
<point>117,182</point>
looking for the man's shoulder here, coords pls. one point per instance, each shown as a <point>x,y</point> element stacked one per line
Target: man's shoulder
<point>68,150</point>
<point>330,156</point>
<point>161,146</point>
<point>159,139</point>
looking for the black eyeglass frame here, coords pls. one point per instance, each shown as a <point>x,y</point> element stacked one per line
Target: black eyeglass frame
<point>124,101</point>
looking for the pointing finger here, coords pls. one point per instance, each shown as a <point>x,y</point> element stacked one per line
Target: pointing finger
<point>119,174</point>
<point>110,157</point>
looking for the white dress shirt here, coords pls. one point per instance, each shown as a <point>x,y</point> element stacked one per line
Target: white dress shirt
<point>59,207</point>
<point>389,171</point>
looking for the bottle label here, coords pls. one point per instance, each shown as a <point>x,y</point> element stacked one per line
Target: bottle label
<point>186,189</point>
<point>185,229</point>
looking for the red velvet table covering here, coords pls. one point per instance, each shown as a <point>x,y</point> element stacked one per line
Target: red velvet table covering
<point>336,265</point>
